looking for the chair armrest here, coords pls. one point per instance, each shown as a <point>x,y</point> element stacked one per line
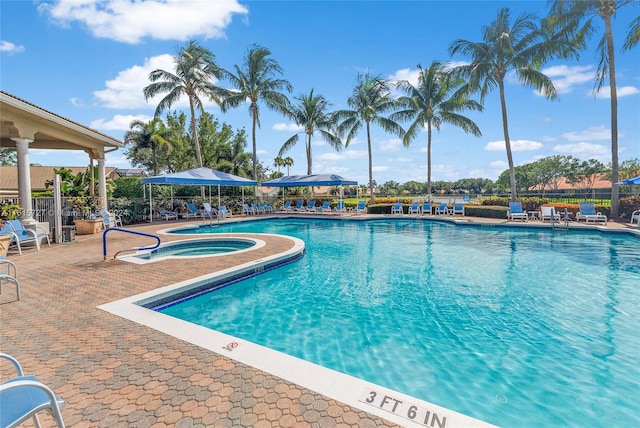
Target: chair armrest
<point>13,361</point>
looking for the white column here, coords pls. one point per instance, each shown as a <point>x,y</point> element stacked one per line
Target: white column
<point>24,179</point>
<point>102,184</point>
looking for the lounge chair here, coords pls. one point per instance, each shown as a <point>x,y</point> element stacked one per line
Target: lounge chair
<point>299,205</point>
<point>269,207</point>
<point>549,213</point>
<point>635,216</point>
<point>458,209</point>
<point>224,212</point>
<point>11,275</point>
<point>110,219</point>
<point>397,208</point>
<point>263,207</point>
<point>442,208</point>
<point>361,207</point>
<point>310,206</point>
<point>516,212</point>
<point>287,206</point>
<point>340,208</point>
<point>325,207</point>
<point>208,211</point>
<point>588,213</point>
<point>192,211</point>
<point>23,397</point>
<point>256,209</point>
<point>247,210</point>
<point>426,208</point>
<point>414,208</point>
<point>23,235</point>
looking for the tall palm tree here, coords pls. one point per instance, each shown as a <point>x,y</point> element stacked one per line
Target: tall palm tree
<point>521,48</point>
<point>150,135</point>
<point>256,81</point>
<point>311,114</point>
<point>580,17</point>
<point>278,162</point>
<point>437,99</point>
<point>370,99</point>
<point>193,76</point>
<point>287,162</point>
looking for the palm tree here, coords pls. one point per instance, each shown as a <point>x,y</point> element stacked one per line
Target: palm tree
<point>255,82</point>
<point>278,162</point>
<point>150,135</point>
<point>580,17</point>
<point>370,99</point>
<point>438,98</point>
<point>193,76</point>
<point>288,162</point>
<point>522,49</point>
<point>311,114</point>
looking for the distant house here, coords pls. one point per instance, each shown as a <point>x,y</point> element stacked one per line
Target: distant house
<point>39,175</point>
<point>597,182</point>
<point>123,173</point>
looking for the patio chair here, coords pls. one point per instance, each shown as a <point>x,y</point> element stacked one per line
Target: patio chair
<point>549,213</point>
<point>516,212</point>
<point>192,211</point>
<point>340,208</point>
<point>635,216</point>
<point>208,211</point>
<point>361,207</point>
<point>442,208</point>
<point>325,207</point>
<point>397,208</point>
<point>247,210</point>
<point>299,205</point>
<point>426,208</point>
<point>23,397</point>
<point>11,275</point>
<point>268,208</point>
<point>224,212</point>
<point>256,209</point>
<point>166,214</point>
<point>310,206</point>
<point>287,206</point>
<point>588,212</point>
<point>414,208</point>
<point>110,219</point>
<point>458,209</point>
<point>23,235</point>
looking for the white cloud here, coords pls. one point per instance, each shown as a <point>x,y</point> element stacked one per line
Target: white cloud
<point>130,21</point>
<point>118,122</point>
<point>605,92</point>
<point>583,150</point>
<point>381,168</point>
<point>405,74</point>
<point>343,155</point>
<point>9,47</point>
<point>287,127</point>
<point>390,145</point>
<point>565,78</point>
<point>595,133</point>
<point>516,146</point>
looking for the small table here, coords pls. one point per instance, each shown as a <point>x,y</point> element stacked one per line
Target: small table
<point>533,215</point>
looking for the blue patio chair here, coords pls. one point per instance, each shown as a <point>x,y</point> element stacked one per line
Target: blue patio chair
<point>246,210</point>
<point>192,211</point>
<point>397,208</point>
<point>224,212</point>
<point>299,205</point>
<point>110,219</point>
<point>361,207</point>
<point>256,209</point>
<point>325,207</point>
<point>516,212</point>
<point>426,208</point>
<point>340,208</point>
<point>457,209</point>
<point>588,212</point>
<point>310,206</point>
<point>268,207</point>
<point>287,206</point>
<point>23,397</point>
<point>442,208</point>
<point>23,235</point>
<point>414,208</point>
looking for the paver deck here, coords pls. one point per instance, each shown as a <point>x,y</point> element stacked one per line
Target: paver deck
<point>112,372</point>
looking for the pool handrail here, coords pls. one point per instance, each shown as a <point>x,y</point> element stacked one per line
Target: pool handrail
<point>104,239</point>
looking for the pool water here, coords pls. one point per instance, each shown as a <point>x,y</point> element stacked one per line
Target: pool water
<point>516,327</point>
<point>196,248</point>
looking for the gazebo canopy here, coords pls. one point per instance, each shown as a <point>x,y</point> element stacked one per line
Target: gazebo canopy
<point>310,180</point>
<point>199,177</point>
<point>634,180</point>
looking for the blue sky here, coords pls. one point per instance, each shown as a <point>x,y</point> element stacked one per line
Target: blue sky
<point>88,61</point>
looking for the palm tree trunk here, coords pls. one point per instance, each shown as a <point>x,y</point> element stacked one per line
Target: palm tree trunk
<point>429,158</point>
<point>370,164</point>
<point>614,119</point>
<point>253,138</point>
<point>309,154</point>
<point>507,142</point>
<point>196,141</point>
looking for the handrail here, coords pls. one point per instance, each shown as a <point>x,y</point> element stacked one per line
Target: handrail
<point>104,239</point>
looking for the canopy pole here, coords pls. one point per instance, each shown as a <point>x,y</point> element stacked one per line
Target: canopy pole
<point>243,196</point>
<point>150,205</point>
<point>219,196</point>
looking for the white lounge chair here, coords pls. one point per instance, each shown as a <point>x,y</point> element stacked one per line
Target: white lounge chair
<point>549,213</point>
<point>516,212</point>
<point>588,213</point>
<point>208,211</point>
<point>110,219</point>
<point>635,216</point>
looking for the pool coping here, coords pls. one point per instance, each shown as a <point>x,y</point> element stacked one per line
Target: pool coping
<point>366,396</point>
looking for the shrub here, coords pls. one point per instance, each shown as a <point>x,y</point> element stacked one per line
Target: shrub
<point>628,205</point>
<point>493,211</point>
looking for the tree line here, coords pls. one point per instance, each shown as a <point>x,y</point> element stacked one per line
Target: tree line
<point>442,95</point>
